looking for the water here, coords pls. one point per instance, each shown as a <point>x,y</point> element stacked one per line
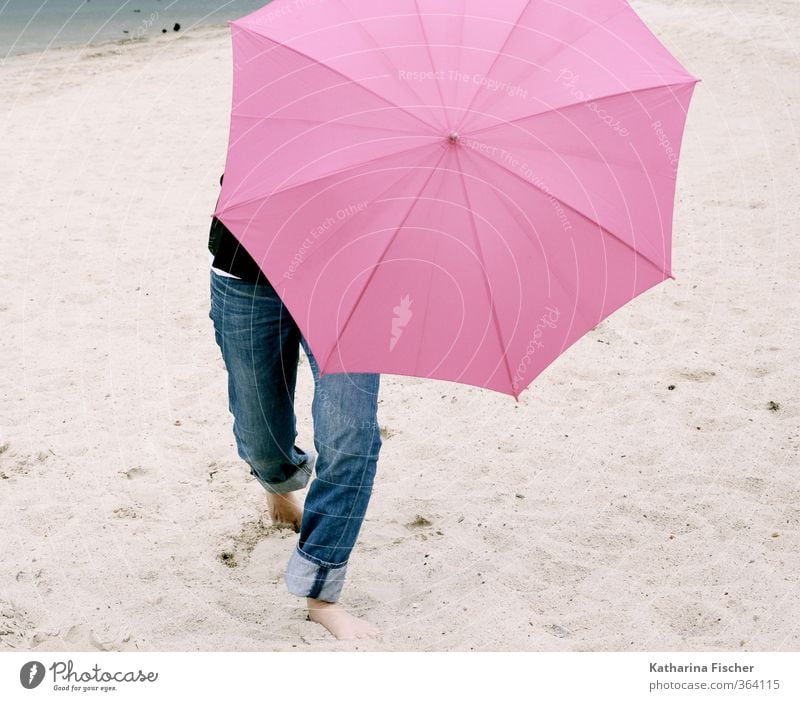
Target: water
<point>36,25</point>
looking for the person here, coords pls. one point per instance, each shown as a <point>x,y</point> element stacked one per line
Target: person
<point>259,342</point>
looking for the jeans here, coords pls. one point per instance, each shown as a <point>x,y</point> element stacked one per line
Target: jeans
<point>260,343</point>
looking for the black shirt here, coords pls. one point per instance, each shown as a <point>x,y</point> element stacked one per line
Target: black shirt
<point>230,255</point>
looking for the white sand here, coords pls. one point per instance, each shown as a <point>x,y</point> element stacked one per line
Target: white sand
<point>604,512</point>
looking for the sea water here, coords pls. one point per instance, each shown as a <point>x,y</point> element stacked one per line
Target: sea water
<point>37,25</point>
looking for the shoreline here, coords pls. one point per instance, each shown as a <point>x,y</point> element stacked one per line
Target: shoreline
<point>31,75</point>
<point>108,46</point>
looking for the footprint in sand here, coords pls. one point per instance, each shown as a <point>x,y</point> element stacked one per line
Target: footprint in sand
<point>15,465</point>
<point>84,639</point>
<point>15,626</point>
<point>127,512</point>
<point>757,373</point>
<point>689,619</point>
<point>236,552</point>
<point>557,630</point>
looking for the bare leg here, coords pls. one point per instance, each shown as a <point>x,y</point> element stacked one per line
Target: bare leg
<point>285,508</point>
<point>341,624</point>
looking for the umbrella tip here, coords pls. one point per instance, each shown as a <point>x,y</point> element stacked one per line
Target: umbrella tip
<point>454,137</point>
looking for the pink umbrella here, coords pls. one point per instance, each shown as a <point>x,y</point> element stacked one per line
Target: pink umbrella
<point>455,190</point>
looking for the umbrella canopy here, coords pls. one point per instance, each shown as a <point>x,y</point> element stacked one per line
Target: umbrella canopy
<point>453,189</point>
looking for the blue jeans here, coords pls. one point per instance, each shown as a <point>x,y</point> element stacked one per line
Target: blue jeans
<point>260,343</point>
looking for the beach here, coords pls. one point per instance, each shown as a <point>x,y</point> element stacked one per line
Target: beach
<point>643,494</point>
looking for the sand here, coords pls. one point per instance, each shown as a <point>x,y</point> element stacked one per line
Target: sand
<point>605,511</point>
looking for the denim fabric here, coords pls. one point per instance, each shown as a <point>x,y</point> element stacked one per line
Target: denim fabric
<point>260,344</point>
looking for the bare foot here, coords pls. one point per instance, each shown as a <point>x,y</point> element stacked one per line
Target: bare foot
<point>285,508</point>
<point>341,624</point>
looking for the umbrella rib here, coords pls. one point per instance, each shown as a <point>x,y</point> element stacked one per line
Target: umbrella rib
<point>463,17</point>
<point>433,259</point>
<point>595,26</point>
<point>594,158</point>
<point>465,113</point>
<point>430,55</point>
<point>539,251</point>
<point>327,122</point>
<point>380,260</point>
<point>334,173</point>
<point>485,279</point>
<point>566,44</point>
<point>580,214</point>
<point>338,72</point>
<point>353,219</point>
<point>378,46</point>
<point>548,110</point>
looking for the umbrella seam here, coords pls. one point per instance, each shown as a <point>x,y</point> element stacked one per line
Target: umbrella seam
<point>334,173</point>
<point>430,59</point>
<point>325,123</point>
<point>540,251</point>
<point>389,61</point>
<point>514,26</point>
<point>380,260</point>
<point>578,104</point>
<point>485,279</point>
<point>278,43</point>
<point>572,42</point>
<point>579,213</point>
<point>433,263</point>
<point>322,241</point>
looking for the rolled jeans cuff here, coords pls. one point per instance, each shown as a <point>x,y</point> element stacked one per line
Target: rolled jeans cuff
<point>306,576</point>
<point>297,481</point>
